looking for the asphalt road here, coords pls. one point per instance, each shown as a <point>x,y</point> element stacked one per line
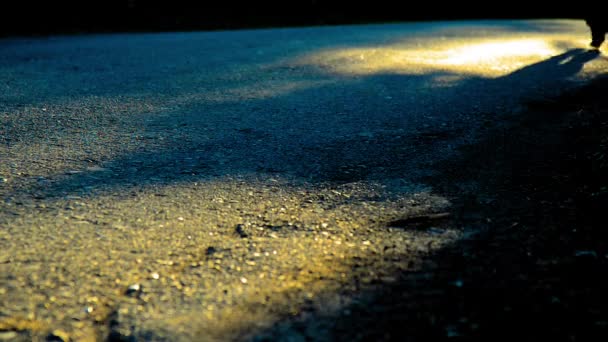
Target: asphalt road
<point>208,185</point>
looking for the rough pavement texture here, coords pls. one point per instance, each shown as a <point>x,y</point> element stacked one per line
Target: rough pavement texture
<point>204,186</point>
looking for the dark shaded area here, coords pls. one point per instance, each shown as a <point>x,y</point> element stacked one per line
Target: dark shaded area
<point>535,270</point>
<point>72,16</point>
<point>267,148</point>
<point>421,221</point>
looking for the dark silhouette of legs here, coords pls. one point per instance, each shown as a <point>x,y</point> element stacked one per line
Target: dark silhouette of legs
<point>598,29</point>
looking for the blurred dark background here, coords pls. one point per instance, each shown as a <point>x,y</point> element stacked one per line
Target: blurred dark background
<point>31,17</point>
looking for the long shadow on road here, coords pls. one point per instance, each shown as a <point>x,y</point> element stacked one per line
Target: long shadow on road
<point>365,139</point>
<point>491,274</point>
<point>533,268</point>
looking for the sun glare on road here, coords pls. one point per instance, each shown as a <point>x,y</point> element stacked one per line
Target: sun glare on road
<point>496,52</point>
<point>491,56</point>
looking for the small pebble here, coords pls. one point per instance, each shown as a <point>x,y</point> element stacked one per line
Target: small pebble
<point>96,169</point>
<point>58,335</point>
<point>240,230</point>
<point>133,289</point>
<point>7,335</point>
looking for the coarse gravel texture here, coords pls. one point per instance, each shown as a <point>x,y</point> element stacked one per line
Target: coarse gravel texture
<point>206,185</point>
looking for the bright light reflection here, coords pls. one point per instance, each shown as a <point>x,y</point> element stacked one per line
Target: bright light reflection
<point>496,51</point>
<point>486,57</point>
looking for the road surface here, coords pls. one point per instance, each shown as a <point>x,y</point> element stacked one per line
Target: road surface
<point>208,185</point>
